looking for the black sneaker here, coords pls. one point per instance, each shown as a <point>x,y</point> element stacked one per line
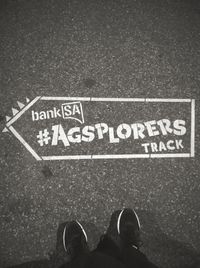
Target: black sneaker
<point>128,228</point>
<point>74,239</point>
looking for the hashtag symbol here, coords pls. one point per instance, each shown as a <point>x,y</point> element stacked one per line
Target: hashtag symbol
<point>43,137</point>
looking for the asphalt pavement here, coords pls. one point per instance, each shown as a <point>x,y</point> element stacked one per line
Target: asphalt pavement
<point>98,49</point>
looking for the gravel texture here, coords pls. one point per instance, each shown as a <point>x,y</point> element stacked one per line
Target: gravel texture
<point>107,48</point>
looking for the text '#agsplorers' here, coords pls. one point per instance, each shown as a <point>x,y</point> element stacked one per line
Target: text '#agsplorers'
<point>57,134</point>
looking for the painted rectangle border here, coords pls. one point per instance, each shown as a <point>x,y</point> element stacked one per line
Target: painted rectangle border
<point>114,156</point>
<point>129,156</point>
<point>115,99</point>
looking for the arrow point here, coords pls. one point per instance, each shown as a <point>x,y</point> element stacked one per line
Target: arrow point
<point>5,130</point>
<point>21,105</point>
<point>27,100</point>
<point>15,111</point>
<point>8,118</point>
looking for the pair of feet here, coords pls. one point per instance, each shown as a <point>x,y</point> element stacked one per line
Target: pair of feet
<point>125,228</point>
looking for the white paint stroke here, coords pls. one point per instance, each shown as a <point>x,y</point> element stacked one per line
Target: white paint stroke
<point>170,155</point>
<point>15,111</point>
<point>120,156</point>
<point>66,157</point>
<point>119,99</point>
<point>192,152</point>
<point>114,156</point>
<point>28,147</point>
<point>166,100</point>
<point>20,104</point>
<point>5,130</point>
<point>116,99</point>
<point>18,115</point>
<point>8,118</point>
<point>67,98</point>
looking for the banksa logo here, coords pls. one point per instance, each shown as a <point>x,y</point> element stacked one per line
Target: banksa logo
<point>59,128</point>
<point>71,110</point>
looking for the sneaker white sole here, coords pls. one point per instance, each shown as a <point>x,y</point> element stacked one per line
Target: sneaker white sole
<point>64,232</point>
<point>119,219</point>
<point>84,232</point>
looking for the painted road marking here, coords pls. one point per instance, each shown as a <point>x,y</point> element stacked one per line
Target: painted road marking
<point>19,114</point>
<point>167,100</point>
<point>169,155</point>
<point>119,99</point>
<point>192,128</point>
<point>153,128</point>
<point>113,156</point>
<point>67,98</point>
<point>116,99</point>
<point>27,146</point>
